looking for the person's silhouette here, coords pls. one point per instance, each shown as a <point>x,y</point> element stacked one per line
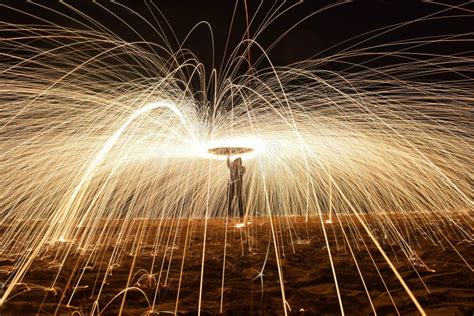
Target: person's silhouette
<point>236,171</point>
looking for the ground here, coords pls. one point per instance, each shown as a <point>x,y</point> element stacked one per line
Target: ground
<point>441,280</point>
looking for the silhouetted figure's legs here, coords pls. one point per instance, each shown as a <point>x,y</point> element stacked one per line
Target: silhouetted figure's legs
<point>240,200</point>
<point>230,198</point>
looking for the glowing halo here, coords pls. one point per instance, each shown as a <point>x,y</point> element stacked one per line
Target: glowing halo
<point>245,148</point>
<point>230,151</point>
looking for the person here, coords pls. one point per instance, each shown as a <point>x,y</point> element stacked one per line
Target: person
<point>236,171</point>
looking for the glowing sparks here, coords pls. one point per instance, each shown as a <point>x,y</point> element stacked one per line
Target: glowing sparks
<point>91,158</point>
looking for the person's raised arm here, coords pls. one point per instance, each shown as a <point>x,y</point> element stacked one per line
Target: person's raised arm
<point>228,161</point>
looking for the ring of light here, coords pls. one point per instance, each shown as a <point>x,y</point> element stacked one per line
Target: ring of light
<point>229,151</point>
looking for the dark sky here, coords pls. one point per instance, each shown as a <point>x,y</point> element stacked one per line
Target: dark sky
<point>311,37</point>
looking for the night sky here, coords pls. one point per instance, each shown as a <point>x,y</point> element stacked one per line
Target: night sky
<point>313,37</point>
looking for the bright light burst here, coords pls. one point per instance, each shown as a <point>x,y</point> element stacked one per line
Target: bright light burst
<point>97,130</point>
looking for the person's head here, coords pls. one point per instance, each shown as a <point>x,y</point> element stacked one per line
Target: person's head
<point>238,161</point>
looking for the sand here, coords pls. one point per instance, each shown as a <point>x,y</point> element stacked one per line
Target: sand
<point>443,283</point>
